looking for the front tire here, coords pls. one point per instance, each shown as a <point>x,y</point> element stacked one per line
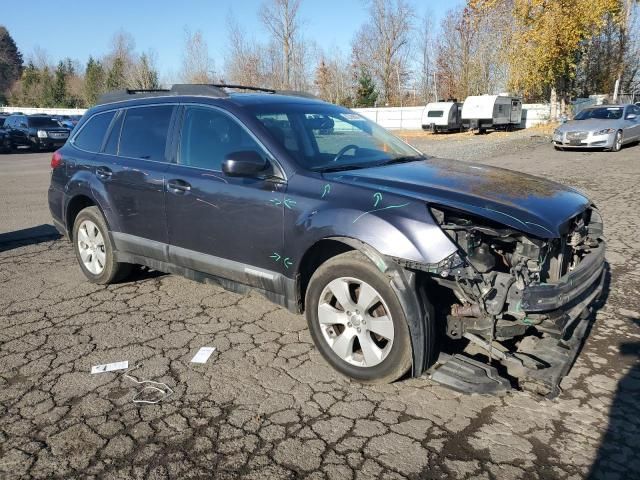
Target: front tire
<point>617,142</point>
<point>93,248</point>
<point>356,320</point>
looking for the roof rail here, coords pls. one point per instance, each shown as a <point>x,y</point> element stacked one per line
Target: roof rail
<point>244,87</point>
<point>266,90</point>
<point>296,93</point>
<point>209,90</point>
<point>215,90</point>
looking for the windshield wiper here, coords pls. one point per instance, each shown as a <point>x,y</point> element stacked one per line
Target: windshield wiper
<point>405,159</point>
<point>340,168</point>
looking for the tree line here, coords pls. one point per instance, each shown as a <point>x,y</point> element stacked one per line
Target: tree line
<point>540,49</point>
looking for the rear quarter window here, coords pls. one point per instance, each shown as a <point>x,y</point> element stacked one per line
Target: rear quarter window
<point>434,113</point>
<point>92,134</point>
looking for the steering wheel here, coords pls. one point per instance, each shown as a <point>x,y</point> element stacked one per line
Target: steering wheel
<point>344,150</point>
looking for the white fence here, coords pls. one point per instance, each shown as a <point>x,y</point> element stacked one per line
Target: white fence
<point>405,118</point>
<point>52,111</point>
<point>410,118</point>
<point>393,118</point>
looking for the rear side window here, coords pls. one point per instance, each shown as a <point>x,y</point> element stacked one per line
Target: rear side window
<point>92,134</point>
<point>434,113</point>
<point>144,133</point>
<point>111,147</point>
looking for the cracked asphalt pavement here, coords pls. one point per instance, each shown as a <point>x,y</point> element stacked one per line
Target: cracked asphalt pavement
<point>266,405</point>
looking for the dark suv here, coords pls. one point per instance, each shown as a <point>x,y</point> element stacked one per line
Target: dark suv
<point>401,262</point>
<point>38,132</point>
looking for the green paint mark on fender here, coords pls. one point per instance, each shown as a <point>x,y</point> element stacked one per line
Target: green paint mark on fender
<point>275,256</point>
<point>289,203</point>
<point>377,198</point>
<point>326,190</point>
<point>287,262</point>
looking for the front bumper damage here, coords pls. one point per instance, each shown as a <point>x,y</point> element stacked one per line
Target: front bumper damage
<point>522,322</point>
<point>540,363</point>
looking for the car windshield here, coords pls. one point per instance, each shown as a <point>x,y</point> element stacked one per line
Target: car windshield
<point>42,122</point>
<point>604,113</point>
<point>327,137</point>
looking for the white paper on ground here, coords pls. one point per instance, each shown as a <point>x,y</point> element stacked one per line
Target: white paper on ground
<point>109,367</point>
<point>203,355</point>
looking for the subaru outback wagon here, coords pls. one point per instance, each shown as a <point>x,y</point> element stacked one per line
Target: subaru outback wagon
<point>402,263</point>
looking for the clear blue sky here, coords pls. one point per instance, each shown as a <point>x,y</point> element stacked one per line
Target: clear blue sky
<point>80,29</point>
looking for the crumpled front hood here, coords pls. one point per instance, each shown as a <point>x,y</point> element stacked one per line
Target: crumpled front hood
<point>530,204</point>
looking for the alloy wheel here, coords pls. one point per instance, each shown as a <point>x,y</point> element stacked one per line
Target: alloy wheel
<point>91,247</point>
<point>355,322</point>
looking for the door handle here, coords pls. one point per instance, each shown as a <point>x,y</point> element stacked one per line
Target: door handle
<point>104,173</point>
<point>178,187</point>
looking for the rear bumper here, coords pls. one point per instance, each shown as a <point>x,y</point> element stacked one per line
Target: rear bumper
<point>56,202</point>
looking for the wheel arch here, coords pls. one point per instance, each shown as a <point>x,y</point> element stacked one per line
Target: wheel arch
<point>406,284</point>
<point>75,205</point>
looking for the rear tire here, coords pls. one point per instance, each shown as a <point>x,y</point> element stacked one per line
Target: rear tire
<point>94,250</point>
<point>361,329</point>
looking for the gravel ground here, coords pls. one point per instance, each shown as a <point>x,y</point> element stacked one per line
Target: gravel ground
<point>266,405</point>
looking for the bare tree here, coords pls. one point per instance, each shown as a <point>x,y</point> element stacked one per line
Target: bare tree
<point>426,61</point>
<point>334,79</point>
<point>245,61</point>
<point>382,45</point>
<point>144,74</point>
<point>197,66</point>
<point>455,55</point>
<point>280,17</point>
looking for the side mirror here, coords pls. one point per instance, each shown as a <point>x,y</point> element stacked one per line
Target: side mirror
<point>631,116</point>
<point>244,164</point>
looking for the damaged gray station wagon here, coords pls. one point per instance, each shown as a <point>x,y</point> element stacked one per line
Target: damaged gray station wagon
<point>480,277</point>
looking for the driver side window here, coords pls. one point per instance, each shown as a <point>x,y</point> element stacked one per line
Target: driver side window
<point>209,135</point>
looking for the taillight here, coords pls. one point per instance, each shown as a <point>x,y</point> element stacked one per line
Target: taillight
<point>56,160</point>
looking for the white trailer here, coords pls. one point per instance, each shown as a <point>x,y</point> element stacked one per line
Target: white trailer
<point>442,116</point>
<point>500,112</point>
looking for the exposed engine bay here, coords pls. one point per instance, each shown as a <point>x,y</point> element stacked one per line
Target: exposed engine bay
<point>519,297</point>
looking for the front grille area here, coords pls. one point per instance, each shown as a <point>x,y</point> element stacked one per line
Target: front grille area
<point>577,135</point>
<point>58,134</point>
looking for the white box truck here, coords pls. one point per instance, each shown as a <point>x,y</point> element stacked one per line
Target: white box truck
<point>499,112</point>
<point>442,116</point>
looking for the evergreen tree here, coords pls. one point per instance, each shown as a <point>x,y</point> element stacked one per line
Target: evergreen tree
<point>366,94</point>
<point>47,89</point>
<point>59,88</point>
<point>10,62</point>
<point>94,81</point>
<point>116,79</point>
